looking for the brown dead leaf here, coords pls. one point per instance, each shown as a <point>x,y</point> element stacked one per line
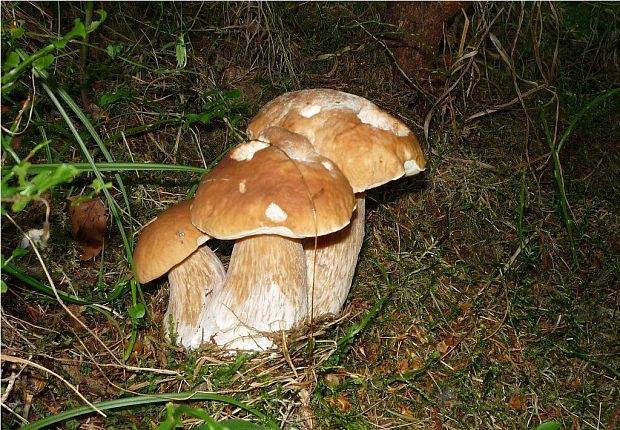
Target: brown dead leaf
<point>613,419</point>
<point>77,311</point>
<point>446,344</point>
<point>437,423</point>
<point>402,365</point>
<point>89,221</point>
<point>416,363</point>
<point>465,307</point>
<point>517,402</point>
<point>341,402</point>
<point>406,412</point>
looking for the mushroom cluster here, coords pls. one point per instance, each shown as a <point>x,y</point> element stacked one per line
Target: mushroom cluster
<point>292,198</point>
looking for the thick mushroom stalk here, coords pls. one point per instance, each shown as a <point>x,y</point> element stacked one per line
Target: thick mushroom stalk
<point>278,186</point>
<point>264,292</point>
<point>330,283</point>
<point>171,244</point>
<point>370,146</point>
<point>191,283</point>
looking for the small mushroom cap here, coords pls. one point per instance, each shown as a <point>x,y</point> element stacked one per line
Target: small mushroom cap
<point>370,146</point>
<point>283,187</point>
<point>166,241</point>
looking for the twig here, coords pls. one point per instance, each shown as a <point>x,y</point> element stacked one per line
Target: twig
<point>18,416</point>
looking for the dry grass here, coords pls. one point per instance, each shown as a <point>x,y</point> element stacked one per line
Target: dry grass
<point>488,323</point>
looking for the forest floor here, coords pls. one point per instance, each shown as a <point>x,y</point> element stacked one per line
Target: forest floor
<point>478,301</point>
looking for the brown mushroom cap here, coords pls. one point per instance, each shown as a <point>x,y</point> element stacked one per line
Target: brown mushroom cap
<point>260,188</point>
<point>166,241</point>
<point>370,146</point>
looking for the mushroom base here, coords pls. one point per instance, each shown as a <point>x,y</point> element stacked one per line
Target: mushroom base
<point>264,292</point>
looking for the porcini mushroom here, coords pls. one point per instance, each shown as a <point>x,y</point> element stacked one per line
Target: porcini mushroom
<point>171,244</point>
<point>267,194</point>
<point>370,146</point>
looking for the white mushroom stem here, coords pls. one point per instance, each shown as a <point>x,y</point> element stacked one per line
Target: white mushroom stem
<point>191,284</point>
<point>331,263</point>
<point>264,291</point>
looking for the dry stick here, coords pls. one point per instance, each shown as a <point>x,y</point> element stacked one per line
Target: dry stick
<point>53,287</point>
<point>507,104</point>
<point>287,355</point>
<point>18,360</point>
<point>99,367</point>
<point>123,366</point>
<point>18,416</point>
<point>18,118</point>
<point>463,33</point>
<point>196,138</point>
<point>7,390</point>
<point>5,323</point>
<point>518,31</point>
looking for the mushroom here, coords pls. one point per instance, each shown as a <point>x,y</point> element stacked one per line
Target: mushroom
<point>267,194</point>
<point>171,244</point>
<point>370,146</point>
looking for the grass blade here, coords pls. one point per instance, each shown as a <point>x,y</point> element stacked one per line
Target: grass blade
<point>348,338</point>
<point>120,167</point>
<point>594,102</point>
<point>559,180</point>
<point>11,270</point>
<point>148,400</point>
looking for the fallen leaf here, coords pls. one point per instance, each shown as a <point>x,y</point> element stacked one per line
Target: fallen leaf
<point>416,363</point>
<point>406,412</point>
<point>517,402</point>
<point>402,365</point>
<point>465,306</point>
<point>343,404</point>
<point>613,420</point>
<point>89,221</point>
<point>77,311</point>
<point>446,344</point>
<point>437,423</point>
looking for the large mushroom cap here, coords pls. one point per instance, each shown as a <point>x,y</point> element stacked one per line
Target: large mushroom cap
<point>370,146</point>
<point>261,188</point>
<point>166,241</point>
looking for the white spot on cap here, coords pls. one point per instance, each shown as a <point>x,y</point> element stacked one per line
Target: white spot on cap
<point>275,213</point>
<point>328,165</point>
<point>242,186</point>
<point>411,168</point>
<point>379,119</point>
<point>246,151</point>
<point>310,111</point>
